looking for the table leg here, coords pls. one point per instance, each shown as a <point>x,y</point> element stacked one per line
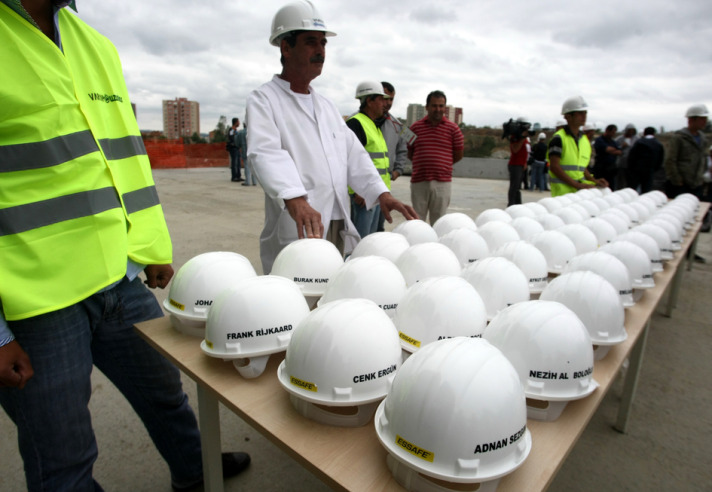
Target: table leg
<point>209,418</point>
<point>693,251</point>
<point>631,380</point>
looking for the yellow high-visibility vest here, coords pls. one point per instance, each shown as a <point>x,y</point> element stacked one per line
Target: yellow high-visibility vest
<point>76,193</point>
<point>375,146</point>
<point>574,160</point>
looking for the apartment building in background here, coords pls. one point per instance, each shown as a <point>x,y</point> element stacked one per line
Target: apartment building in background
<point>417,112</point>
<point>181,118</point>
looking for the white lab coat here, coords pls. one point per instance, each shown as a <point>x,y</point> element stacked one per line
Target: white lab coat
<point>295,155</point>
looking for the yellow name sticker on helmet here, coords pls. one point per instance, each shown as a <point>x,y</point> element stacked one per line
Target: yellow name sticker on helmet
<point>209,343</point>
<point>303,384</point>
<point>415,450</point>
<point>176,304</point>
<point>407,339</point>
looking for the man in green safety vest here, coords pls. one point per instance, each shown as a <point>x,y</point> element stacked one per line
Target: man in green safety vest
<point>366,124</point>
<point>570,152</point>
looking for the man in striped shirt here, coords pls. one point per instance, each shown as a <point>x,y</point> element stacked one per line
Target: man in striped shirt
<point>439,145</point>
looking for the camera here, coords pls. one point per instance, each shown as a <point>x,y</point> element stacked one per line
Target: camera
<point>515,128</point>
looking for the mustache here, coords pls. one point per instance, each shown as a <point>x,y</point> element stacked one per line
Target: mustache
<point>316,59</point>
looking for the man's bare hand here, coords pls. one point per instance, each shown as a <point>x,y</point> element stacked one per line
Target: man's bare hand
<point>388,203</point>
<point>395,175</point>
<point>359,200</point>
<point>308,220</point>
<point>15,366</point>
<point>158,275</point>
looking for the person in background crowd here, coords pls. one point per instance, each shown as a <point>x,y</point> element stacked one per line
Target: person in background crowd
<point>397,147</point>
<point>518,132</point>
<point>231,146</point>
<point>241,144</point>
<point>625,143</point>
<point>607,151</point>
<point>644,159</point>
<point>538,177</point>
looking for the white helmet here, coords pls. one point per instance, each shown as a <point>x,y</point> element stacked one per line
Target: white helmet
<point>369,88</point>
<point>673,232</point>
<point>296,16</point>
<point>416,232</point>
<point>386,244</point>
<point>538,208</point>
<point>649,202</point>
<point>197,284</point>
<point>600,203</point>
<point>497,233</point>
<point>310,263</point>
<point>619,223</point>
<point>252,320</point>
<point>530,261</point>
<point>572,104</point>
<point>697,110</point>
<point>550,222</point>
<point>682,209</point>
<point>344,353</point>
<point>636,259</point>
<point>437,308</point>
<point>585,193</point>
<point>541,136</point>
<point>499,282</point>
<point>452,407</point>
<point>648,244</point>
<point>583,238</point>
<point>519,210</point>
<point>557,248</point>
<point>569,215</point>
<point>527,227</point>
<point>596,303</point>
<point>609,267</point>
<point>604,230</point>
<point>590,206</point>
<point>426,260</point>
<point>367,277</point>
<point>492,214</point>
<point>657,196</point>
<point>450,222</point>
<point>630,211</point>
<point>467,245</point>
<point>551,204</point>
<point>642,210</point>
<point>551,350</point>
<point>661,236</point>
<point>614,199</point>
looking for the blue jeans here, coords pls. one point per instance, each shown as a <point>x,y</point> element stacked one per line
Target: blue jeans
<point>55,435</point>
<point>249,177</point>
<point>538,178</point>
<point>366,221</point>
<point>234,162</point>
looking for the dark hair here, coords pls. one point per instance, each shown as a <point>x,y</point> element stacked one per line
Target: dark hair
<point>365,100</point>
<point>388,86</point>
<point>291,39</point>
<point>235,120</point>
<point>611,128</point>
<point>649,131</point>
<point>435,94</point>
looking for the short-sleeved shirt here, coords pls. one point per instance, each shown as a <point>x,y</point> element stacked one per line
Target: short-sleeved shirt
<point>433,149</point>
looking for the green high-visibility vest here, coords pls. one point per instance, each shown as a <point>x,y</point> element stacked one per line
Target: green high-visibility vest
<point>375,146</point>
<point>574,160</point>
<point>76,193</point>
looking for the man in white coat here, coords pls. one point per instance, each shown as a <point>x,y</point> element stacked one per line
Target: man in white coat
<point>304,155</point>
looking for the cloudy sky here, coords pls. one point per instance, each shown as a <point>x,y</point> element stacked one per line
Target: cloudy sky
<point>639,62</point>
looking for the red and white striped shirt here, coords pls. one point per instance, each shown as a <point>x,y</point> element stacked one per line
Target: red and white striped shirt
<point>432,151</point>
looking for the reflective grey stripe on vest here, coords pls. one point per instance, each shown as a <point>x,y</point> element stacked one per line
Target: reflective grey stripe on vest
<point>137,200</point>
<point>555,180</point>
<point>382,170</point>
<point>38,155</point>
<point>571,167</point>
<point>377,155</point>
<point>121,148</point>
<point>21,218</point>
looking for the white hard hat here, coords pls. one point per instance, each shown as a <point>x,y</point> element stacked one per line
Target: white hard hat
<point>450,410</point>
<point>538,208</point>
<point>674,234</point>
<point>492,214</point>
<point>386,244</point>
<point>467,245</point>
<point>369,88</point>
<point>550,203</point>
<point>648,244</point>
<point>570,215</point>
<point>642,211</point>
<point>437,308</point>
<point>557,248</point>
<point>596,303</point>
<point>575,103</point>
<point>636,260</point>
<point>683,209</point>
<point>551,350</point>
<point>657,196</point>
<point>550,222</point>
<point>697,110</point>
<point>526,227</point>
<point>541,136</point>
<point>583,238</point>
<point>585,193</point>
<point>426,260</point>
<point>630,211</point>
<point>498,233</point>
<point>649,202</point>
<point>614,199</point>
<point>608,267</point>
<point>450,222</point>
<point>252,320</point>
<point>297,16</point>
<point>520,210</point>
<point>310,263</point>
<point>604,230</point>
<point>661,236</point>
<point>530,261</point>
<point>368,277</point>
<point>590,206</point>
<point>344,353</point>
<point>416,231</point>
<point>197,284</point>
<point>600,203</point>
<point>499,282</point>
<point>617,218</point>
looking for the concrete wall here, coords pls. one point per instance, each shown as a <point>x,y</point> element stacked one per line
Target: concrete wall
<point>477,167</point>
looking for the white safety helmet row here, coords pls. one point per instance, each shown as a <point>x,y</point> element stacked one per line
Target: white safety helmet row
<point>297,16</point>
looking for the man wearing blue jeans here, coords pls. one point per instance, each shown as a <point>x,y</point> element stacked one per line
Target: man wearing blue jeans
<point>79,220</point>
